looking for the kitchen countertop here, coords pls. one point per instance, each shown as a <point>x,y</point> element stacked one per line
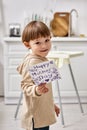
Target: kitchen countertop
<point>53,39</point>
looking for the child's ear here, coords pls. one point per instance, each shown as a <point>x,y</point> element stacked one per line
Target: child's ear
<point>27,44</point>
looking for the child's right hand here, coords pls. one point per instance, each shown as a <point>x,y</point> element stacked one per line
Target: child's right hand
<point>41,89</point>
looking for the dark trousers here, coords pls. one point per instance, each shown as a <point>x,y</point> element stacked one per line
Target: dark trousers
<point>43,128</point>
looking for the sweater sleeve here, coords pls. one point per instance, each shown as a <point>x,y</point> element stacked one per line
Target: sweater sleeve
<point>27,84</point>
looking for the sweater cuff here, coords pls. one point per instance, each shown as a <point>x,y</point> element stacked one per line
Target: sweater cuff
<point>37,93</point>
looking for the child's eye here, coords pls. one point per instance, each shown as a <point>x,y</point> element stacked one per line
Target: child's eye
<point>38,43</point>
<point>47,40</point>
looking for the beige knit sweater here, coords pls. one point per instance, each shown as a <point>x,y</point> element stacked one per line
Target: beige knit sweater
<point>40,108</point>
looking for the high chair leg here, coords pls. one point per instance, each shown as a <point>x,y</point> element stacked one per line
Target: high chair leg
<point>18,105</point>
<point>71,72</point>
<point>60,103</point>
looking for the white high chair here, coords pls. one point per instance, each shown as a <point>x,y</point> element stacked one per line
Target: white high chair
<point>61,58</point>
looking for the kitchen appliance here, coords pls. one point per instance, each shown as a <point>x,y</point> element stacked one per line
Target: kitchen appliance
<point>14,30</point>
<point>60,24</point>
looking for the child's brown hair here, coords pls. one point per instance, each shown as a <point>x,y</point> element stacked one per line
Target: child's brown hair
<point>34,30</point>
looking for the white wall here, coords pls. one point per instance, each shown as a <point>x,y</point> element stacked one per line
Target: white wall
<point>16,12</point>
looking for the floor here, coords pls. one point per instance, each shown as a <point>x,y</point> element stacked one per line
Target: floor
<point>74,119</point>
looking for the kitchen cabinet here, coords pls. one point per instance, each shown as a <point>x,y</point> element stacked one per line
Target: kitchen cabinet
<point>14,51</point>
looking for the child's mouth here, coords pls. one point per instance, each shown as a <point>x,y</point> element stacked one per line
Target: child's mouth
<point>44,50</point>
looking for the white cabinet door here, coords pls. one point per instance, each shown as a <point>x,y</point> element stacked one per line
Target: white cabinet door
<point>12,83</point>
<point>13,55</point>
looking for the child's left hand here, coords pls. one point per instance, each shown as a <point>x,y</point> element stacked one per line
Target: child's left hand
<point>57,110</point>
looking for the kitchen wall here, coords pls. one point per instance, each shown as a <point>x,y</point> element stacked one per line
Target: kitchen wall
<point>19,10</point>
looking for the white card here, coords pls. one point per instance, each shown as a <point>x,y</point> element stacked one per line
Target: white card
<point>44,72</point>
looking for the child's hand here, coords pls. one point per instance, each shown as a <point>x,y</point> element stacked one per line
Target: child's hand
<point>42,88</point>
<point>57,110</point>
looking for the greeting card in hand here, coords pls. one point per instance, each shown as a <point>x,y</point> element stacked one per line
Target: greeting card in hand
<point>44,72</point>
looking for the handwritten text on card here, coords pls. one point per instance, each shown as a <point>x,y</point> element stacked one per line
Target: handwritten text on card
<point>44,72</point>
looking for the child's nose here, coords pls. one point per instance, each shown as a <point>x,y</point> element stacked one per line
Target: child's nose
<point>44,45</point>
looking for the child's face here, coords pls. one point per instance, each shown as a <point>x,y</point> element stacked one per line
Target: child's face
<point>40,46</point>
